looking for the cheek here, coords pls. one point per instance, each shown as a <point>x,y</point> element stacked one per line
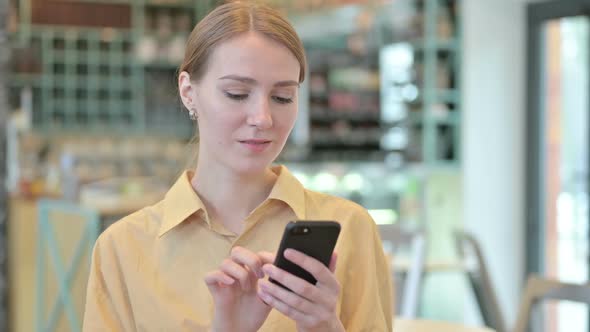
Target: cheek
<point>211,127</point>
<point>221,130</point>
<point>222,116</point>
<point>286,123</point>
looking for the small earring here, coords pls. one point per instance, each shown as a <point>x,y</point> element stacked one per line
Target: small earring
<point>192,114</point>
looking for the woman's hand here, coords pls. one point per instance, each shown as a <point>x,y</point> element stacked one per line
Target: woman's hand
<point>312,307</point>
<point>234,289</point>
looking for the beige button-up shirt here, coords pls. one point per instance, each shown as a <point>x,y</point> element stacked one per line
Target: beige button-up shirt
<point>148,268</point>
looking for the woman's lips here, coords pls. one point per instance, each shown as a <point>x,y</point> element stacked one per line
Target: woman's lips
<point>256,145</point>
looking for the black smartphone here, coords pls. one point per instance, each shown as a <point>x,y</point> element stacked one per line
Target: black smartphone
<point>313,238</point>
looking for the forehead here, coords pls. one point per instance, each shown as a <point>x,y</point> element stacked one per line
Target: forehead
<point>253,55</point>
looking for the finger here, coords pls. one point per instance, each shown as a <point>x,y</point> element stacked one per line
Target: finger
<point>267,257</point>
<point>214,278</point>
<point>333,262</point>
<point>318,270</point>
<point>285,309</point>
<point>245,257</point>
<point>237,272</point>
<point>293,300</point>
<point>299,286</point>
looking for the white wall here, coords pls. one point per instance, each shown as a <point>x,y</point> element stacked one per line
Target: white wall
<point>494,44</point>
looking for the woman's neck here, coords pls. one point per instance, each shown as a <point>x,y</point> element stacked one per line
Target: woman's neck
<point>230,197</point>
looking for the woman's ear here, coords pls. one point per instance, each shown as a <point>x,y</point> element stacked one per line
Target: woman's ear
<point>186,90</point>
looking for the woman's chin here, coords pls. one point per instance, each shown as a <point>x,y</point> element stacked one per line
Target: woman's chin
<point>251,167</point>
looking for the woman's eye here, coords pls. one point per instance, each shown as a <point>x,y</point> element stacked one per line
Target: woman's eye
<point>236,96</point>
<point>282,100</point>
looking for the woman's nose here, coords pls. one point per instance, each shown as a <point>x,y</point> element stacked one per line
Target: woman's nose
<point>261,116</point>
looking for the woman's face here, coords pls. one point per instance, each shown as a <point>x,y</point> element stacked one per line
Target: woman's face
<point>246,103</point>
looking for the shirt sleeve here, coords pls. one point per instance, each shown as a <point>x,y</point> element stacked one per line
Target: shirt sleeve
<point>367,290</point>
<point>107,304</point>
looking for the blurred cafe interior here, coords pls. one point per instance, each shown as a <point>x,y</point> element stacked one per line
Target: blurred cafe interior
<point>461,125</point>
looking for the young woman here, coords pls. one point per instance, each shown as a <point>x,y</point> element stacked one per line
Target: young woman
<point>200,259</point>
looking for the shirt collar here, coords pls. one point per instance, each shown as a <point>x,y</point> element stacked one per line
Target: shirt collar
<point>181,201</point>
<point>289,190</point>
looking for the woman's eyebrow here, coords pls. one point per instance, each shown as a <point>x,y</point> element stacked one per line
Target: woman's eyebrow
<point>251,81</point>
<point>242,79</point>
<point>286,83</point>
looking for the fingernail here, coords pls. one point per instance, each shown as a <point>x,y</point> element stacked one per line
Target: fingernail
<point>289,253</point>
<point>267,269</point>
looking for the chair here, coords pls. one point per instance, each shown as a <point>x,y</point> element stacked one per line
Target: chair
<point>405,325</point>
<point>395,237</point>
<point>479,278</point>
<point>56,214</point>
<point>539,289</point>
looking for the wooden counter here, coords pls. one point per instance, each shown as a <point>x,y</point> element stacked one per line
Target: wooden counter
<point>22,249</point>
<point>23,237</point>
<point>22,231</point>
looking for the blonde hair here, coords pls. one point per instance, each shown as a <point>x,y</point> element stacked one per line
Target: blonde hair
<point>230,20</point>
